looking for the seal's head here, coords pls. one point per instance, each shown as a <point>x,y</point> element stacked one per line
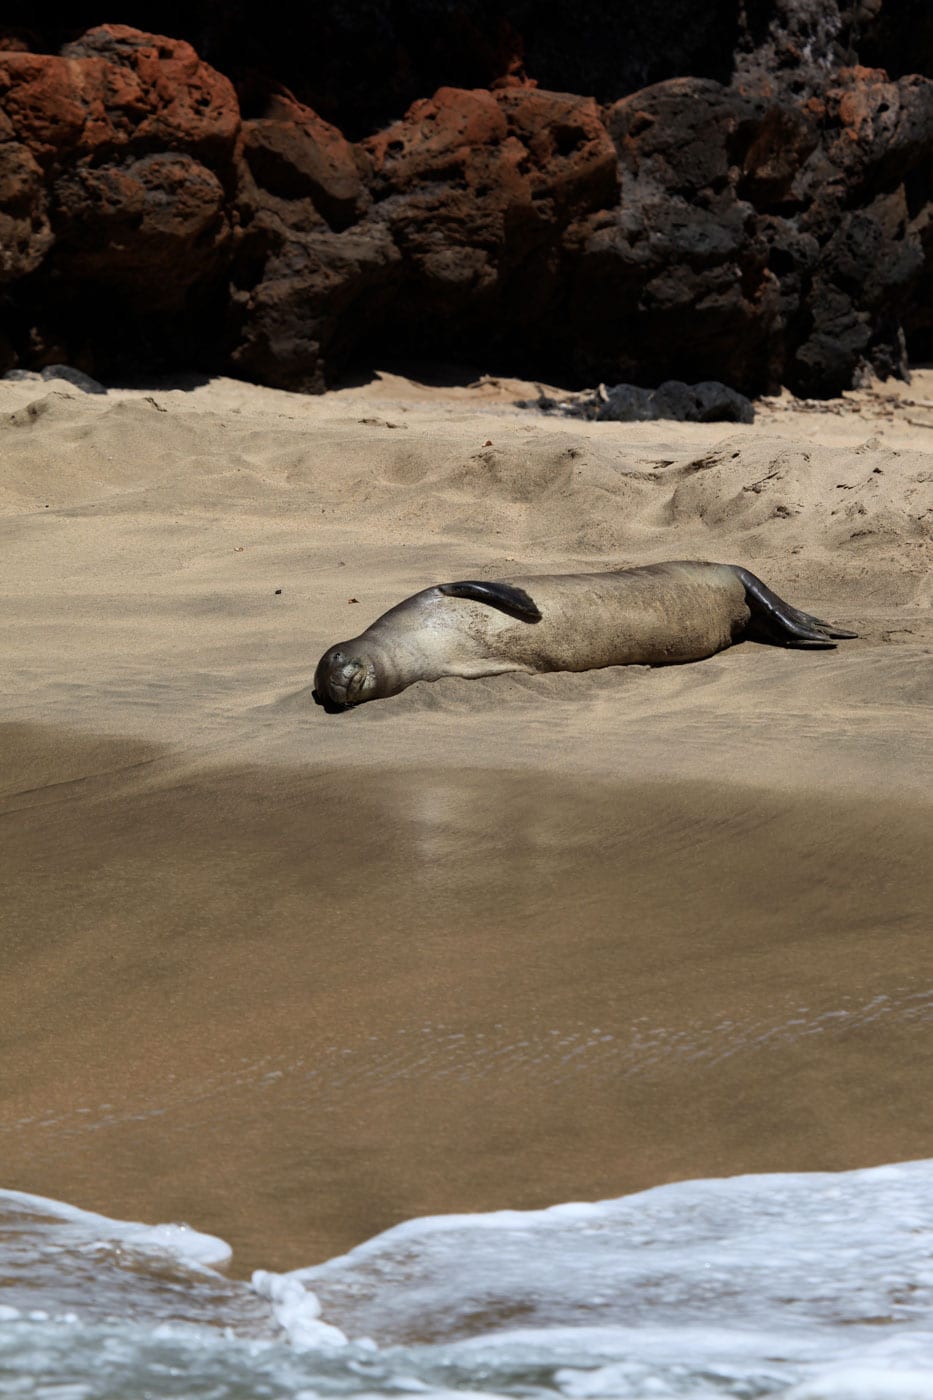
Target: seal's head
<point>343,679</point>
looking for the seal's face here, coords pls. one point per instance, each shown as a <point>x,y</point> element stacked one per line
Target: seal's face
<point>343,680</point>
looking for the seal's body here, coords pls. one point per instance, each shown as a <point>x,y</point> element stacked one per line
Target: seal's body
<point>653,616</point>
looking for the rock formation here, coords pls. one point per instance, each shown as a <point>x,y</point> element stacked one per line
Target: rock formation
<point>764,219</point>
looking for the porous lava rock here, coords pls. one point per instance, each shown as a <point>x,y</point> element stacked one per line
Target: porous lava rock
<point>480,192</point>
<point>765,219</point>
<point>308,272</point>
<point>120,153</point>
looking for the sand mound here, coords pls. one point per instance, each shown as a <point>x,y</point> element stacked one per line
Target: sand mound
<point>597,493</point>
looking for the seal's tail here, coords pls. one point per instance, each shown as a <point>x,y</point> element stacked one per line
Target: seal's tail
<point>783,623</point>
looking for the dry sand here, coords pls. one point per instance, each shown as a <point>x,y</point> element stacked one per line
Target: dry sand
<point>294,977</point>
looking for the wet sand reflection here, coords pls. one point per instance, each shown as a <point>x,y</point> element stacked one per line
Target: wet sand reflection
<point>294,1006</point>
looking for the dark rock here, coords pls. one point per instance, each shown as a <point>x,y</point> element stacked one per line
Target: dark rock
<point>84,382</point>
<point>717,403</point>
<point>789,46</point>
<point>118,188</point>
<point>767,220</point>
<point>479,191</point>
<point>675,281</point>
<point>707,402</point>
<point>25,235</point>
<point>151,227</point>
<point>291,153</point>
<point>316,296</point>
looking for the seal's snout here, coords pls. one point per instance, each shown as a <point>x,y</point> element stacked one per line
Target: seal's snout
<point>342,681</point>
<point>327,705</point>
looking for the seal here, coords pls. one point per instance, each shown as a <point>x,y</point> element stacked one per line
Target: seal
<point>657,615</point>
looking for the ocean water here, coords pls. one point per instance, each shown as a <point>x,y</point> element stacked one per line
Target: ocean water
<point>794,1285</point>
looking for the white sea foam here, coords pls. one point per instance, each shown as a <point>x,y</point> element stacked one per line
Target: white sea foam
<point>83,1227</point>
<point>824,1250</point>
<point>802,1287</point>
<point>297,1311</point>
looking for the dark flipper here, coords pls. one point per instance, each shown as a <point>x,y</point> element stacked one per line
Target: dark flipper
<point>511,600</point>
<point>782,623</point>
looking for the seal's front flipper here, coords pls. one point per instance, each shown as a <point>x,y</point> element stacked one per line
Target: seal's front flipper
<point>505,596</point>
<point>781,622</point>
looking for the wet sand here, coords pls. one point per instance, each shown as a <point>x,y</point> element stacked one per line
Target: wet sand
<point>293,978</point>
<point>294,1006</point>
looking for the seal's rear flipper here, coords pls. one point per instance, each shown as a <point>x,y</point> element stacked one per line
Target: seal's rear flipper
<point>505,596</point>
<point>781,622</point>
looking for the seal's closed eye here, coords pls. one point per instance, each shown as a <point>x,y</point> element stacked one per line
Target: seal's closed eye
<point>505,596</point>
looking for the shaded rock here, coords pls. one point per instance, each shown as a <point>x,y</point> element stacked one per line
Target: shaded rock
<point>317,295</point>
<point>853,200</point>
<point>676,280</point>
<point>789,46</point>
<point>152,226</point>
<point>84,382</point>
<point>291,153</point>
<point>763,240</point>
<point>785,138</point>
<point>898,37</point>
<point>446,223</point>
<point>307,281</point>
<point>768,220</point>
<point>116,197</point>
<point>478,191</point>
<point>25,234</point>
<point>707,402</point>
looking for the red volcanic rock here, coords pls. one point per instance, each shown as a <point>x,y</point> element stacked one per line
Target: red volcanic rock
<point>445,133</point>
<point>120,223</point>
<point>878,130</point>
<point>572,160</point>
<point>293,154</point>
<point>117,185</point>
<point>460,232</point>
<point>42,101</point>
<point>117,88</point>
<point>158,91</point>
<point>777,227</point>
<point>478,191</point>
<point>517,143</point>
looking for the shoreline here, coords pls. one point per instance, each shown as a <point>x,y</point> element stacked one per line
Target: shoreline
<point>293,1021</point>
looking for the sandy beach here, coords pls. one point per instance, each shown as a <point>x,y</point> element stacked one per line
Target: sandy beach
<point>293,977</point>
